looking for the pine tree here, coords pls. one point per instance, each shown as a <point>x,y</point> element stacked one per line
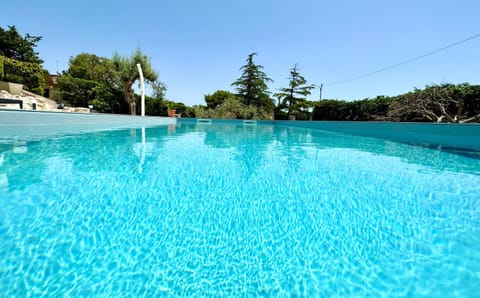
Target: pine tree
<point>252,85</point>
<point>294,97</point>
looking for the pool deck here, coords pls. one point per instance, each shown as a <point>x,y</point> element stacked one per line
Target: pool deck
<point>20,123</point>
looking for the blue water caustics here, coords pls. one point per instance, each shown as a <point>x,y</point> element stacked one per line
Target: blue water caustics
<point>232,210</point>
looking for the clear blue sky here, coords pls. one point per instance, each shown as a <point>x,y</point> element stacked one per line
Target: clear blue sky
<point>198,47</point>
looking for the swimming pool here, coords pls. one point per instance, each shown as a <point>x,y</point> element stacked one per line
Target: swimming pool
<point>236,210</point>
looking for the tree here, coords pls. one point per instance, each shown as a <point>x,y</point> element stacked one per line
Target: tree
<point>438,103</point>
<point>232,108</point>
<point>94,68</point>
<point>226,105</point>
<point>294,97</point>
<point>76,92</point>
<point>159,89</point>
<point>127,71</point>
<point>14,46</point>
<point>92,80</point>
<point>217,98</point>
<point>252,85</point>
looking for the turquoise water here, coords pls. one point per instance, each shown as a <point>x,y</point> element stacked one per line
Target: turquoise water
<point>232,210</point>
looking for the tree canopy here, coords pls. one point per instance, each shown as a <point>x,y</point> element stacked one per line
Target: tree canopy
<point>21,48</point>
<point>92,80</point>
<point>126,68</point>
<point>294,97</point>
<point>217,98</point>
<point>92,67</point>
<point>98,81</point>
<point>252,85</point>
<point>224,104</point>
<point>438,103</point>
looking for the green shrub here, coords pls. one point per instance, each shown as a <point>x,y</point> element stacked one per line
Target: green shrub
<point>26,73</point>
<point>232,108</point>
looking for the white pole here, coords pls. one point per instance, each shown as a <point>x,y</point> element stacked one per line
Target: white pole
<point>142,88</point>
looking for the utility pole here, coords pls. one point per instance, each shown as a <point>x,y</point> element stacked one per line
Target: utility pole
<point>319,87</point>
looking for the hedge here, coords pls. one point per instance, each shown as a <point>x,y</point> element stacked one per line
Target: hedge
<point>26,73</point>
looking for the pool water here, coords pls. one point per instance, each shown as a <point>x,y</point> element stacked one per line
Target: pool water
<point>233,210</point>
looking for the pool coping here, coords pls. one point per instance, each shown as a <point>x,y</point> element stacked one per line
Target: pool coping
<point>21,123</point>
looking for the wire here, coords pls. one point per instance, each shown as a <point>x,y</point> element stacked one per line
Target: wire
<point>405,62</point>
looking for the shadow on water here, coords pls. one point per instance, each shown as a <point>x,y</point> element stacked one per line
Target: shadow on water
<point>465,152</point>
